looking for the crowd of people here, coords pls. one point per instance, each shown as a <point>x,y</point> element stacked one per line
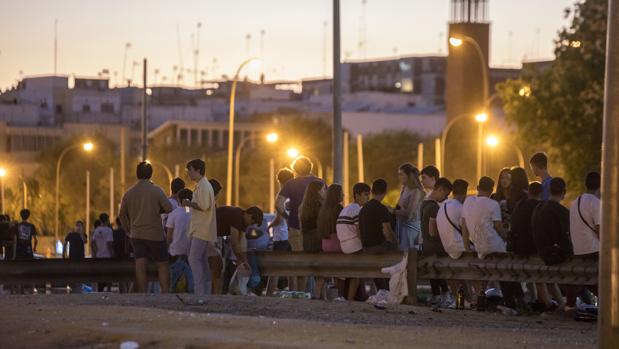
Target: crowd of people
<point>198,245</point>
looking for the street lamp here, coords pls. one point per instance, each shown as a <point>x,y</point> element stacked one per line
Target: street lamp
<point>231,128</point>
<point>458,41</point>
<point>2,175</point>
<point>271,138</point>
<point>87,147</point>
<point>493,141</point>
<point>293,153</point>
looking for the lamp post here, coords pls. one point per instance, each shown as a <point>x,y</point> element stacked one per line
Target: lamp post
<point>231,130</point>
<point>271,138</point>
<point>458,41</point>
<point>2,175</point>
<point>88,147</point>
<point>493,141</point>
<point>481,119</point>
<point>165,168</point>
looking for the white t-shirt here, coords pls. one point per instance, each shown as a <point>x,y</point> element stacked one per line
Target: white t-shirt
<point>179,220</point>
<point>450,236</point>
<point>347,228</point>
<point>585,240</point>
<point>101,236</point>
<point>480,213</point>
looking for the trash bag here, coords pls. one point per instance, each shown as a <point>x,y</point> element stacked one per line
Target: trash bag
<point>398,283</point>
<point>238,282</point>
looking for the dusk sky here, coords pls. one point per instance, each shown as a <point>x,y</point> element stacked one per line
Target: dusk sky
<point>92,34</point>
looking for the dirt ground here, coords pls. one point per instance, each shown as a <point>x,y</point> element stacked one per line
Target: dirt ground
<point>162,321</point>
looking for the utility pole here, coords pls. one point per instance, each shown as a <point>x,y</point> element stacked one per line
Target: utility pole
<point>337,91</point>
<point>608,322</point>
<point>144,124</point>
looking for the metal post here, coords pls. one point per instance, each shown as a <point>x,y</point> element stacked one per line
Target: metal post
<point>112,209</point>
<point>608,322</point>
<point>122,159</point>
<point>346,181</point>
<point>337,103</point>
<point>88,211</point>
<point>360,164</point>
<point>271,185</point>
<point>177,171</point>
<point>480,144</point>
<point>437,154</point>
<point>144,124</point>
<point>25,186</point>
<point>420,156</point>
<point>3,210</point>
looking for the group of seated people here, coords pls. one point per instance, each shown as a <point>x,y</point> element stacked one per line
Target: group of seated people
<point>522,217</point>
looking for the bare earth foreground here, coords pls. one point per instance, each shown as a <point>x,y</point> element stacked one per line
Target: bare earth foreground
<point>163,321</point>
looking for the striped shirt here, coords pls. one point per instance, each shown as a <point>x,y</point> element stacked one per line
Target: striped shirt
<point>348,228</point>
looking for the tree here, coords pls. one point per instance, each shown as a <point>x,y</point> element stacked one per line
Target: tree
<point>560,110</point>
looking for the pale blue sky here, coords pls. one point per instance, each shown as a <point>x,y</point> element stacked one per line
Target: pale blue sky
<point>92,34</point>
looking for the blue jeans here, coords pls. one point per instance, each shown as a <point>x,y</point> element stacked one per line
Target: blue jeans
<point>177,269</point>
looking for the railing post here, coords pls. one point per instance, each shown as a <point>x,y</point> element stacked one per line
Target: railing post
<point>411,277</point>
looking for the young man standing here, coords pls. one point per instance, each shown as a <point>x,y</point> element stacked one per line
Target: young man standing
<point>431,240</point>
<point>429,176</point>
<point>293,192</point>
<point>203,226</point>
<point>539,166</point>
<point>24,234</point>
<point>585,218</point>
<point>177,237</point>
<point>139,214</point>
<point>279,228</point>
<point>103,238</point>
<point>76,240</point>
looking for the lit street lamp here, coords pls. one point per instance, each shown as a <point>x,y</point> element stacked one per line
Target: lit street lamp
<point>293,153</point>
<point>88,147</point>
<point>458,41</point>
<point>271,138</point>
<point>493,141</point>
<point>231,129</point>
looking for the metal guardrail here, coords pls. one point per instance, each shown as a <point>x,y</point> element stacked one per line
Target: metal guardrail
<point>500,267</point>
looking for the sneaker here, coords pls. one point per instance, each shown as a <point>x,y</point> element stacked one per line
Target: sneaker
<point>447,300</point>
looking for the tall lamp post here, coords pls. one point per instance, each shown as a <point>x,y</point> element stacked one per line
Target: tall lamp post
<point>271,138</point>
<point>231,130</point>
<point>493,141</point>
<point>2,175</point>
<point>88,147</point>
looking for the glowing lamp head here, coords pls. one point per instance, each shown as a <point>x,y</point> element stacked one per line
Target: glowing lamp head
<point>293,153</point>
<point>492,141</point>
<point>481,117</point>
<point>2,172</point>
<point>88,146</point>
<point>455,42</point>
<point>272,137</point>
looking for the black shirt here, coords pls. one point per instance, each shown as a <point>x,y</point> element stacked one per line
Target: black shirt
<point>25,231</point>
<point>371,219</point>
<point>521,235</point>
<point>551,232</point>
<point>227,217</point>
<point>431,244</point>
<point>76,245</point>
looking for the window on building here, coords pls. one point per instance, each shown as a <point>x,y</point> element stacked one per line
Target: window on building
<point>107,107</point>
<point>59,108</point>
<point>183,136</point>
<point>205,137</point>
<point>86,108</point>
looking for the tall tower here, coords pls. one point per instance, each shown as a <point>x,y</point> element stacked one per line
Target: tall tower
<point>464,68</point>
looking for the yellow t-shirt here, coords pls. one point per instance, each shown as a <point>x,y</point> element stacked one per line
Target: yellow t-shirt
<point>203,223</point>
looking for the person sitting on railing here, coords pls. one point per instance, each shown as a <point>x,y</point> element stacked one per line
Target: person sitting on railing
<point>377,236</point>
<point>482,225</point>
<point>448,222</point>
<point>327,222</point>
<point>431,241</point>
<point>348,232</point>
<point>76,239</point>
<point>551,232</point>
